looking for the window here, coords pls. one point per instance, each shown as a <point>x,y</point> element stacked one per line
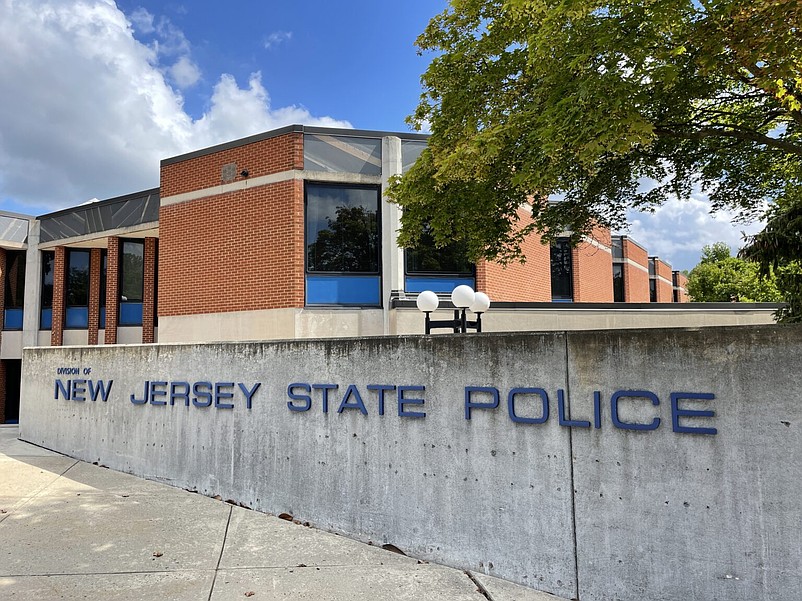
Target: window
<point>342,245</point>
<point>561,271</point>
<point>675,281</point>
<point>46,312</point>
<point>132,280</point>
<point>618,247</point>
<point>437,269</point>
<point>77,290</point>
<point>618,282</point>
<point>652,290</point>
<point>14,274</point>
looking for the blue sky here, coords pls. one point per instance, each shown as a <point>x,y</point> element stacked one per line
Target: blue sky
<point>352,60</point>
<point>97,92</point>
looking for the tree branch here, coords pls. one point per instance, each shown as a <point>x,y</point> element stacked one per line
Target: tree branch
<point>713,132</point>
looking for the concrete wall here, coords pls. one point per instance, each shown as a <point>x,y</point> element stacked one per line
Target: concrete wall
<point>580,505</point>
<point>341,322</point>
<point>557,318</point>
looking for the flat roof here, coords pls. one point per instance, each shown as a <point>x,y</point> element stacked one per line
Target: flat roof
<point>100,203</point>
<point>289,129</point>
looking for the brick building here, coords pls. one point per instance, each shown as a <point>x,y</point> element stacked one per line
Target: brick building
<point>286,235</point>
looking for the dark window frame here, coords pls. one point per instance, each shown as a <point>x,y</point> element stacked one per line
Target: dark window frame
<point>121,288</point>
<point>48,256</point>
<point>619,290</point>
<point>378,257</point>
<point>562,245</point>
<point>104,278</point>
<point>11,255</point>
<point>408,252</point>
<point>13,275</point>
<point>121,270</point>
<point>69,253</point>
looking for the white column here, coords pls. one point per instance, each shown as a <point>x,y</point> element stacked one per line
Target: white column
<point>392,256</point>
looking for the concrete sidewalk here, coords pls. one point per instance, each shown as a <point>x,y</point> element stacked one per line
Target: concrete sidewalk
<point>71,530</point>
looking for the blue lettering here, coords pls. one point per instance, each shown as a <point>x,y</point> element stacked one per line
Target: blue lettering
<point>175,395</point>
<point>352,391</point>
<point>544,400</point>
<point>325,388</point>
<point>629,394</point>
<point>158,389</point>
<point>381,389</point>
<point>203,394</point>
<point>676,412</point>
<point>78,390</point>
<point>220,395</point>
<point>597,409</point>
<point>299,397</point>
<point>561,413</point>
<point>144,398</point>
<point>249,393</point>
<point>63,388</point>
<point>404,401</point>
<point>101,390</point>
<point>470,404</point>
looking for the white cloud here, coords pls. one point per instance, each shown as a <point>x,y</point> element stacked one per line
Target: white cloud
<point>142,21</point>
<point>185,73</point>
<point>677,231</point>
<point>88,111</point>
<point>276,38</point>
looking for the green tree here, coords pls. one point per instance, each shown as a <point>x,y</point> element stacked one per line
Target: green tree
<point>720,277</point>
<point>527,99</point>
<point>778,250</point>
<point>715,252</point>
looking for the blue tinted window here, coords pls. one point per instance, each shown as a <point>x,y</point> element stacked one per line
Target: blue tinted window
<point>342,228</point>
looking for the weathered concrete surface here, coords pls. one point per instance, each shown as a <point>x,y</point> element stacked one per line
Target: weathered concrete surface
<point>503,590</point>
<point>690,516</point>
<point>598,513</point>
<point>166,543</point>
<point>441,488</point>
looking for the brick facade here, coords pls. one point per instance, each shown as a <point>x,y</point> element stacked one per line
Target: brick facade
<point>665,285</point>
<point>680,287</point>
<point>636,272</point>
<point>59,300</point>
<point>149,291</point>
<point>265,157</point>
<point>593,269</point>
<point>112,289</point>
<point>239,251</point>
<point>95,260</point>
<point>519,282</point>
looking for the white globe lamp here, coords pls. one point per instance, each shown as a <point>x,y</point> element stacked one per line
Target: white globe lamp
<point>463,296</point>
<point>481,303</point>
<point>427,301</point>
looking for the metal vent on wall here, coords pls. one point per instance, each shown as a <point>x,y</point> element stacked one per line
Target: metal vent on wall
<point>229,172</point>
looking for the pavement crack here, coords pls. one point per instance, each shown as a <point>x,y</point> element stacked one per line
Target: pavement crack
<point>34,495</point>
<point>222,550</point>
<point>479,586</point>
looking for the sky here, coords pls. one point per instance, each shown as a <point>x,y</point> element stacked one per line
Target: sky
<point>95,93</point>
